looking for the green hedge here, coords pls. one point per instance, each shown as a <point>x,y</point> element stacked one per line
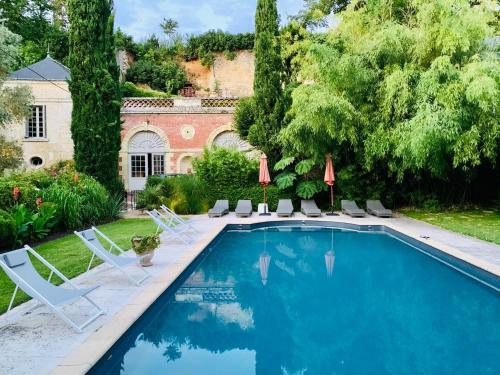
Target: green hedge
<point>229,174</point>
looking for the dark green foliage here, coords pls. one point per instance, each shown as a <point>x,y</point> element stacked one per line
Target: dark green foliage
<point>201,46</point>
<point>22,225</point>
<point>229,174</point>
<point>95,91</point>
<point>267,79</point>
<point>69,201</point>
<point>168,76</point>
<point>405,96</point>
<point>40,30</point>
<point>244,116</point>
<point>82,203</point>
<point>125,42</point>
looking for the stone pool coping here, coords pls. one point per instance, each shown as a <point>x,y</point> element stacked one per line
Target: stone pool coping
<point>99,342</point>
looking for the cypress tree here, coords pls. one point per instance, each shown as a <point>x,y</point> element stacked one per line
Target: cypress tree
<point>95,90</point>
<point>267,79</point>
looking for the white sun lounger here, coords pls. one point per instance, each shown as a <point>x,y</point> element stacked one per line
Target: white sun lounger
<point>172,218</point>
<point>91,240</point>
<point>17,265</point>
<point>180,233</point>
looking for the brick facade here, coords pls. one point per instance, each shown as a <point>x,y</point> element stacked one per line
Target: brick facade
<point>178,131</point>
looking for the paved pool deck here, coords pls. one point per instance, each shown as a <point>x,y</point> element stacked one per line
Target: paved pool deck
<point>35,341</point>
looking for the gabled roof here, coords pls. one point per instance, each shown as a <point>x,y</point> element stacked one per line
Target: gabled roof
<point>47,69</point>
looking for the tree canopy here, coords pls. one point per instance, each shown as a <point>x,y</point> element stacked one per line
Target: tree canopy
<point>95,90</point>
<point>409,87</point>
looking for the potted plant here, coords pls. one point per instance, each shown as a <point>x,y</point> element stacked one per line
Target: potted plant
<point>144,247</point>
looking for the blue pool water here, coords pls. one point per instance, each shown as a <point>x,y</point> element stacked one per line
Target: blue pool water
<point>314,301</point>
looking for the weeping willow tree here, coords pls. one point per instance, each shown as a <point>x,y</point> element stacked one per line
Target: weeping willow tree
<point>95,91</point>
<point>402,89</point>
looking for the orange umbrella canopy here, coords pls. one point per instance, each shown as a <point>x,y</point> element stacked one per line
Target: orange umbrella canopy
<point>264,177</point>
<point>329,173</point>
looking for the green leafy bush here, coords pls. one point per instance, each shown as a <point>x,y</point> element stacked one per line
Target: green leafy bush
<point>244,116</point>
<point>132,91</point>
<point>199,46</point>
<point>22,225</point>
<point>229,174</point>
<point>70,201</point>
<point>168,76</point>
<point>184,194</point>
<point>82,202</point>
<point>7,226</point>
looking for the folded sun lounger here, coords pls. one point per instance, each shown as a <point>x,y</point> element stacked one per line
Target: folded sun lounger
<point>90,238</point>
<point>244,208</point>
<point>171,231</point>
<point>309,208</point>
<point>375,207</point>
<point>17,265</point>
<point>220,208</point>
<point>351,208</point>
<point>174,219</point>
<point>285,208</point>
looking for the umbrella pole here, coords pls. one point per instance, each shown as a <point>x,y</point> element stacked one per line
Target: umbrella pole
<point>265,213</point>
<point>331,201</point>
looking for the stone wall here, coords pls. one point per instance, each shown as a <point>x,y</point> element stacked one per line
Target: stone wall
<point>58,144</point>
<point>225,77</point>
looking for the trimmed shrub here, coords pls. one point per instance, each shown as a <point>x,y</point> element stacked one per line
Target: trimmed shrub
<point>229,174</point>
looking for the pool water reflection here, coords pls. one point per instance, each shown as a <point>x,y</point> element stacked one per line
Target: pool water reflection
<point>315,301</point>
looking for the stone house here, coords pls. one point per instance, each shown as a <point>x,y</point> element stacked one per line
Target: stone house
<point>160,135</point>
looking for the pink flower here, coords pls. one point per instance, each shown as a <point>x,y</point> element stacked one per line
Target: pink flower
<point>76,178</point>
<point>39,201</point>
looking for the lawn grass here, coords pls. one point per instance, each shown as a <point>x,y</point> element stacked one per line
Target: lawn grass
<point>70,256</point>
<point>480,223</point>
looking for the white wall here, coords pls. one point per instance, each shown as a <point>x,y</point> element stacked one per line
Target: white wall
<point>58,145</point>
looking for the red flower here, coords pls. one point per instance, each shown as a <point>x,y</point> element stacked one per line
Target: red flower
<point>53,172</point>
<point>76,178</point>
<point>16,192</point>
<point>39,201</point>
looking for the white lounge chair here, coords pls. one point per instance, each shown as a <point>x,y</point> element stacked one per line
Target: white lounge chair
<point>174,219</point>
<point>17,265</point>
<point>180,234</point>
<point>91,240</point>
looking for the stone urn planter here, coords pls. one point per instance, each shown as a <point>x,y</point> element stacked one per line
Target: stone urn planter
<point>144,247</point>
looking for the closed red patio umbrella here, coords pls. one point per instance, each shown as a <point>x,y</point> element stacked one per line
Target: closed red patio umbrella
<point>264,179</point>
<point>330,179</point>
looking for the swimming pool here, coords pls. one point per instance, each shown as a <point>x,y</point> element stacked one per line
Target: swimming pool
<point>300,299</point>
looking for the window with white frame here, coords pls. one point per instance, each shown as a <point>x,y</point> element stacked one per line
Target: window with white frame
<point>138,166</point>
<point>36,125</point>
<point>158,164</point>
